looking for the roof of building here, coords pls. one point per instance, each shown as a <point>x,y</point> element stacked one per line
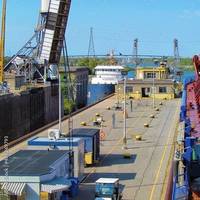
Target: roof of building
<point>31,162</point>
<point>42,141</point>
<point>85,132</point>
<point>148,81</point>
<point>109,66</point>
<point>146,68</point>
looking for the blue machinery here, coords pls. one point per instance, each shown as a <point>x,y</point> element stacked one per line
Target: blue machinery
<point>182,189</point>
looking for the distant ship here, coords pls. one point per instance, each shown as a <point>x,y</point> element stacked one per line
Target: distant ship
<point>110,74</point>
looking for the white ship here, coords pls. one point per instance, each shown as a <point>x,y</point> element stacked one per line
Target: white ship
<point>111,74</point>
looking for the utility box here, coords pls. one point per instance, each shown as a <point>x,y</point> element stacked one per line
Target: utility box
<point>92,143</point>
<point>77,144</point>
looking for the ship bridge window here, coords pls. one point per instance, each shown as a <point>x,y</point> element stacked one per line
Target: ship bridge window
<point>150,75</point>
<point>162,89</point>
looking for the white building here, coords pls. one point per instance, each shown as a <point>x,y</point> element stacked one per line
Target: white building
<point>107,74</point>
<point>42,143</point>
<point>35,173</point>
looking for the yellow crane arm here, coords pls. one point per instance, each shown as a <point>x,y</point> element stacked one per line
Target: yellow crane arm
<point>2,40</point>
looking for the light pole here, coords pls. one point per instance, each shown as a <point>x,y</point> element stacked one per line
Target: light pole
<point>117,94</point>
<point>154,76</point>
<point>124,132</point>
<point>60,108</point>
<point>153,87</point>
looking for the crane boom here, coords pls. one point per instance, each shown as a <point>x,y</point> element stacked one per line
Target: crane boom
<point>41,54</point>
<point>54,33</point>
<point>2,39</point>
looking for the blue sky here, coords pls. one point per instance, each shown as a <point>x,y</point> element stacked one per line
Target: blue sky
<point>116,23</point>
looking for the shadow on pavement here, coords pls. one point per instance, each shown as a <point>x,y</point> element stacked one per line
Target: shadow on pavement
<point>116,159</point>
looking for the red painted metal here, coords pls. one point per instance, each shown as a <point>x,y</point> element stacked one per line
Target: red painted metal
<point>196,62</point>
<point>193,99</point>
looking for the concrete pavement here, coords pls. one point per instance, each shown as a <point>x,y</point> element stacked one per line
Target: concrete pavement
<point>143,176</point>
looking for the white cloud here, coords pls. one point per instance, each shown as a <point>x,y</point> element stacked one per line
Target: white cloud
<point>188,14</point>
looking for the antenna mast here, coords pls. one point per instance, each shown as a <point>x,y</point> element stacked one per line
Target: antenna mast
<point>135,52</point>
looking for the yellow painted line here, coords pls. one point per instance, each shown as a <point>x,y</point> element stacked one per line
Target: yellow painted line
<point>160,165</point>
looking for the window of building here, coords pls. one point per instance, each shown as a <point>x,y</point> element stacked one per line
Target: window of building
<point>148,90</point>
<point>151,75</point>
<point>162,89</point>
<point>129,89</point>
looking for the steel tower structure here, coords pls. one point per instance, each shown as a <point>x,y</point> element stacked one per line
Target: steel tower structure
<point>135,52</point>
<point>41,54</point>
<point>91,48</point>
<point>176,53</point>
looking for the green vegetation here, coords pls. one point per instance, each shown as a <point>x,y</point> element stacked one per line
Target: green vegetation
<point>69,106</point>
<point>91,63</point>
<point>127,69</point>
<point>186,64</point>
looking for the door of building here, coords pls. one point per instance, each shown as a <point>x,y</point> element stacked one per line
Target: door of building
<point>145,92</point>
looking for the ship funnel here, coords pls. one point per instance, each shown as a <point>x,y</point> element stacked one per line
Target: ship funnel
<point>44,6</point>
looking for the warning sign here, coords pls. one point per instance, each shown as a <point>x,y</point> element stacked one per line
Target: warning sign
<point>102,135</point>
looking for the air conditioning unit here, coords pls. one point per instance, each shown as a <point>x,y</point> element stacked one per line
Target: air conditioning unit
<point>53,134</point>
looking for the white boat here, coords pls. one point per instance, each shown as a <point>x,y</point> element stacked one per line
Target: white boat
<point>110,74</point>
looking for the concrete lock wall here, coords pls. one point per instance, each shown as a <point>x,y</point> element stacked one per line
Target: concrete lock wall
<point>24,113</point>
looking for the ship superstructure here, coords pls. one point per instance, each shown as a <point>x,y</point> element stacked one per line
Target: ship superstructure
<point>107,74</point>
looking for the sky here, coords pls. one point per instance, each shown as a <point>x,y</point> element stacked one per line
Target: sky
<point>116,24</point>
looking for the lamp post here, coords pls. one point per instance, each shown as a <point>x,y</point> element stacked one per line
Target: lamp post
<point>59,107</point>
<point>153,87</point>
<point>154,76</point>
<point>124,129</point>
<point>118,94</point>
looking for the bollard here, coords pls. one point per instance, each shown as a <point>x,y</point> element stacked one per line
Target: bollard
<point>138,137</point>
<point>97,114</point>
<point>83,123</point>
<point>152,116</point>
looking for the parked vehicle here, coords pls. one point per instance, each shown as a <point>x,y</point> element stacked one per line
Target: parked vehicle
<point>108,189</point>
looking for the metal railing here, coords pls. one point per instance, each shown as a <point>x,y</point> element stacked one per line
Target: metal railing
<point>184,186</point>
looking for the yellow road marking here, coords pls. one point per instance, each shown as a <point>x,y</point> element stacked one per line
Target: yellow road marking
<point>161,163</point>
